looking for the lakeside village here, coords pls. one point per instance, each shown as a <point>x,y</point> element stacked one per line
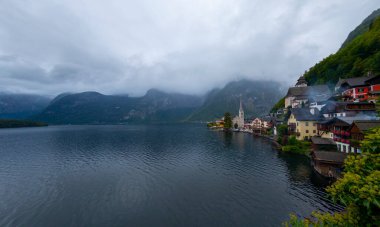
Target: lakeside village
<point>314,120</point>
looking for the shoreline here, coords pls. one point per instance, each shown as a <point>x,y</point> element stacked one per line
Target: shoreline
<point>271,139</point>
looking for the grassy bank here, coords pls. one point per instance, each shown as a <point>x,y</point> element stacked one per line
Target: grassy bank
<point>296,146</point>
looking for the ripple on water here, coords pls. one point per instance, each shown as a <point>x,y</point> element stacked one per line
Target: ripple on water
<point>150,175</point>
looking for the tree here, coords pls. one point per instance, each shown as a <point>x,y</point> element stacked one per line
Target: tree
<point>282,132</point>
<point>358,190</point>
<point>227,120</point>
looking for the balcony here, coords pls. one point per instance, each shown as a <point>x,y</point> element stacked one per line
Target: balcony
<point>341,133</point>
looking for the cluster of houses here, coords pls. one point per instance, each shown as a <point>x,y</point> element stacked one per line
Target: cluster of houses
<point>334,121</point>
<point>257,125</point>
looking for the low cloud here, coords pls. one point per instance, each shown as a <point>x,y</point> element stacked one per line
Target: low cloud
<point>49,47</point>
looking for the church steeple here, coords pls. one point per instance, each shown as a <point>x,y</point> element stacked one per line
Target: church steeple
<point>238,121</point>
<point>301,82</point>
<point>241,111</point>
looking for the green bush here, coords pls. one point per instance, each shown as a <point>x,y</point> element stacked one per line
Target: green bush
<point>358,190</point>
<point>295,146</point>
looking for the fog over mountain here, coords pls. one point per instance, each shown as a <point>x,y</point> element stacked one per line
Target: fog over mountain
<point>127,47</point>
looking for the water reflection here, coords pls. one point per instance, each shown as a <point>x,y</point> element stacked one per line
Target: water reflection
<point>166,175</point>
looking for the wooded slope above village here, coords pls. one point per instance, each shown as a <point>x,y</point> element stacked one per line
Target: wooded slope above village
<point>356,57</point>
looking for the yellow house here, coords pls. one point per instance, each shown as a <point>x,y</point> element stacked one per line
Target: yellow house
<point>302,123</point>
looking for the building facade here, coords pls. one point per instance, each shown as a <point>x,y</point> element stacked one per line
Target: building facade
<point>303,124</point>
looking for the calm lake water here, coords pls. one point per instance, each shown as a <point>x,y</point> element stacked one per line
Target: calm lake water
<point>157,175</point>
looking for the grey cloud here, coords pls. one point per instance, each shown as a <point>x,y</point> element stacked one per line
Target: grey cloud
<point>50,46</point>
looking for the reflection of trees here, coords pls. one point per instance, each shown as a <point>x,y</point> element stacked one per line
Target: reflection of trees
<point>227,138</point>
<point>231,139</point>
<point>239,140</point>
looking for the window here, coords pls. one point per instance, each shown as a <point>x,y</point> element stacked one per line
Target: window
<point>307,131</point>
<point>307,123</point>
<point>314,124</point>
<point>344,148</point>
<point>314,131</point>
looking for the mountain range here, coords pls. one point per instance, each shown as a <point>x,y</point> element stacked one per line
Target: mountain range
<point>257,99</point>
<point>21,106</point>
<point>359,53</point>
<point>154,107</point>
<point>96,108</point>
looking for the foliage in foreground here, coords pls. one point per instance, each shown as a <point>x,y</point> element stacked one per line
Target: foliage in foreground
<point>358,190</point>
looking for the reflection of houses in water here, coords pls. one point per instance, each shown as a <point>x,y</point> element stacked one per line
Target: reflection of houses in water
<point>239,139</point>
<point>233,139</point>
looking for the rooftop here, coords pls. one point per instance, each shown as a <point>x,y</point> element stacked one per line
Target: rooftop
<point>365,125</point>
<point>301,81</point>
<point>336,121</point>
<point>304,114</point>
<point>330,156</point>
<point>350,120</point>
<point>354,82</point>
<point>338,107</point>
<point>322,91</point>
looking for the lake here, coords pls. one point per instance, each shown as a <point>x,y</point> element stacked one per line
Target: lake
<point>151,175</point>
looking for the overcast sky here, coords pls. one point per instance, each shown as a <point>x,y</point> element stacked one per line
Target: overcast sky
<point>187,46</point>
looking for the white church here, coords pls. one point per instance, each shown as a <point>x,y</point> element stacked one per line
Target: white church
<point>239,120</point>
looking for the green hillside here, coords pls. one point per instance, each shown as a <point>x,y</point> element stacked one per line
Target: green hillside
<point>362,28</point>
<point>354,59</point>
<point>359,54</point>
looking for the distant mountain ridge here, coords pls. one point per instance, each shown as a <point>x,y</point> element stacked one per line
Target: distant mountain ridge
<point>96,108</point>
<point>154,107</point>
<point>21,106</point>
<point>257,97</point>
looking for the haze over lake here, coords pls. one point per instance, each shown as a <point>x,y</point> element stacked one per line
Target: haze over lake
<point>156,175</point>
